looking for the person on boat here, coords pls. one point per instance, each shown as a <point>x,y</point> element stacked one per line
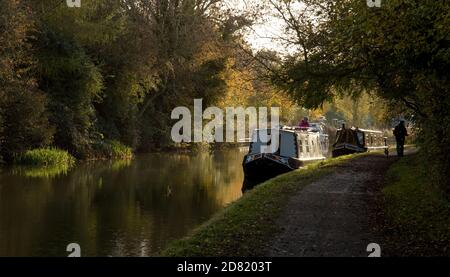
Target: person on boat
<point>304,125</point>
<point>400,134</point>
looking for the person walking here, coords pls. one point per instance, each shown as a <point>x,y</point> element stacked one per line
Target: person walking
<point>400,134</point>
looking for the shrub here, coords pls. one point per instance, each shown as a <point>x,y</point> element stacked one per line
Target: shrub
<point>120,151</point>
<point>112,149</point>
<point>45,157</point>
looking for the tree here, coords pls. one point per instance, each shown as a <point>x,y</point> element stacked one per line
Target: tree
<point>399,50</point>
<point>114,70</point>
<point>73,83</point>
<point>23,119</point>
<point>190,55</point>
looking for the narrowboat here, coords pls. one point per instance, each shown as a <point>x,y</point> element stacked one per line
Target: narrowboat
<point>355,140</point>
<point>295,148</point>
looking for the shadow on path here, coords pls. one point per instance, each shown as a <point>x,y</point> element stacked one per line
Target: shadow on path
<point>334,216</point>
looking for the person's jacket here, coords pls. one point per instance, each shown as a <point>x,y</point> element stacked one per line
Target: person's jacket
<point>304,124</point>
<point>400,132</point>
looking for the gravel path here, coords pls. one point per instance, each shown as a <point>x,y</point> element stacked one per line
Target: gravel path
<point>334,216</point>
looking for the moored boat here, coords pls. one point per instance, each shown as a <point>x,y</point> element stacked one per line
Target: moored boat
<point>296,147</point>
<point>355,140</point>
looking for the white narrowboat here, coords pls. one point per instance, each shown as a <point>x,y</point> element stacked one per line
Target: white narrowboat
<point>295,148</point>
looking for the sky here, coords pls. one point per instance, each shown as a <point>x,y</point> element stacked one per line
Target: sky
<point>261,35</point>
<point>264,33</point>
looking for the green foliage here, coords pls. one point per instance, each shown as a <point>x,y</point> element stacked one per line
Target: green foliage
<point>118,150</point>
<point>47,157</point>
<point>73,84</point>
<point>133,61</point>
<point>25,123</point>
<point>417,210</point>
<point>400,51</point>
<point>113,150</point>
<point>364,111</point>
<point>110,70</point>
<point>23,117</point>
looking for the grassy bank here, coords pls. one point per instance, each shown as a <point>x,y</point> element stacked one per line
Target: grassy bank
<point>417,213</point>
<point>45,157</point>
<point>243,228</point>
<point>44,162</point>
<point>112,149</point>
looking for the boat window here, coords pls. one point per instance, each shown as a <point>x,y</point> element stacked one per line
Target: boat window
<point>307,144</point>
<point>319,146</point>
<point>300,145</point>
<point>360,137</point>
<point>255,146</point>
<point>338,135</point>
<point>287,144</point>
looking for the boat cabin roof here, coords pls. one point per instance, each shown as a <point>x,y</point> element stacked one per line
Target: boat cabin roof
<point>365,131</point>
<point>288,141</point>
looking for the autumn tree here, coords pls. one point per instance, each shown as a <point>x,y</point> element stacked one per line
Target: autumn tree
<point>400,51</point>
<point>23,119</point>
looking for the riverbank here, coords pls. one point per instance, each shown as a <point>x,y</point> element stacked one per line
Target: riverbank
<point>247,227</point>
<point>416,214</point>
<point>333,208</point>
<point>53,156</point>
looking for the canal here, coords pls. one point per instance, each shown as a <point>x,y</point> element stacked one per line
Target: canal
<point>114,208</point>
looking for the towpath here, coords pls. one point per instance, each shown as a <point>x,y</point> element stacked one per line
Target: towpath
<point>336,215</point>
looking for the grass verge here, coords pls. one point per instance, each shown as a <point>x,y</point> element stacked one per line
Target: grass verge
<point>417,213</point>
<point>244,228</point>
<point>45,157</point>
<point>113,149</point>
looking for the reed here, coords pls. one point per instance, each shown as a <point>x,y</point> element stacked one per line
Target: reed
<point>47,157</point>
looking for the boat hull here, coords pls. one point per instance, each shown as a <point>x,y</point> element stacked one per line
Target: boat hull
<point>347,149</point>
<point>265,168</point>
<point>295,148</point>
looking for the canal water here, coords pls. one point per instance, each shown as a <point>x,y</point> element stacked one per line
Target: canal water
<point>121,208</point>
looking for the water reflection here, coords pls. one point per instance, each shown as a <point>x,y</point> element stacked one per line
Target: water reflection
<point>122,208</point>
<point>39,172</point>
